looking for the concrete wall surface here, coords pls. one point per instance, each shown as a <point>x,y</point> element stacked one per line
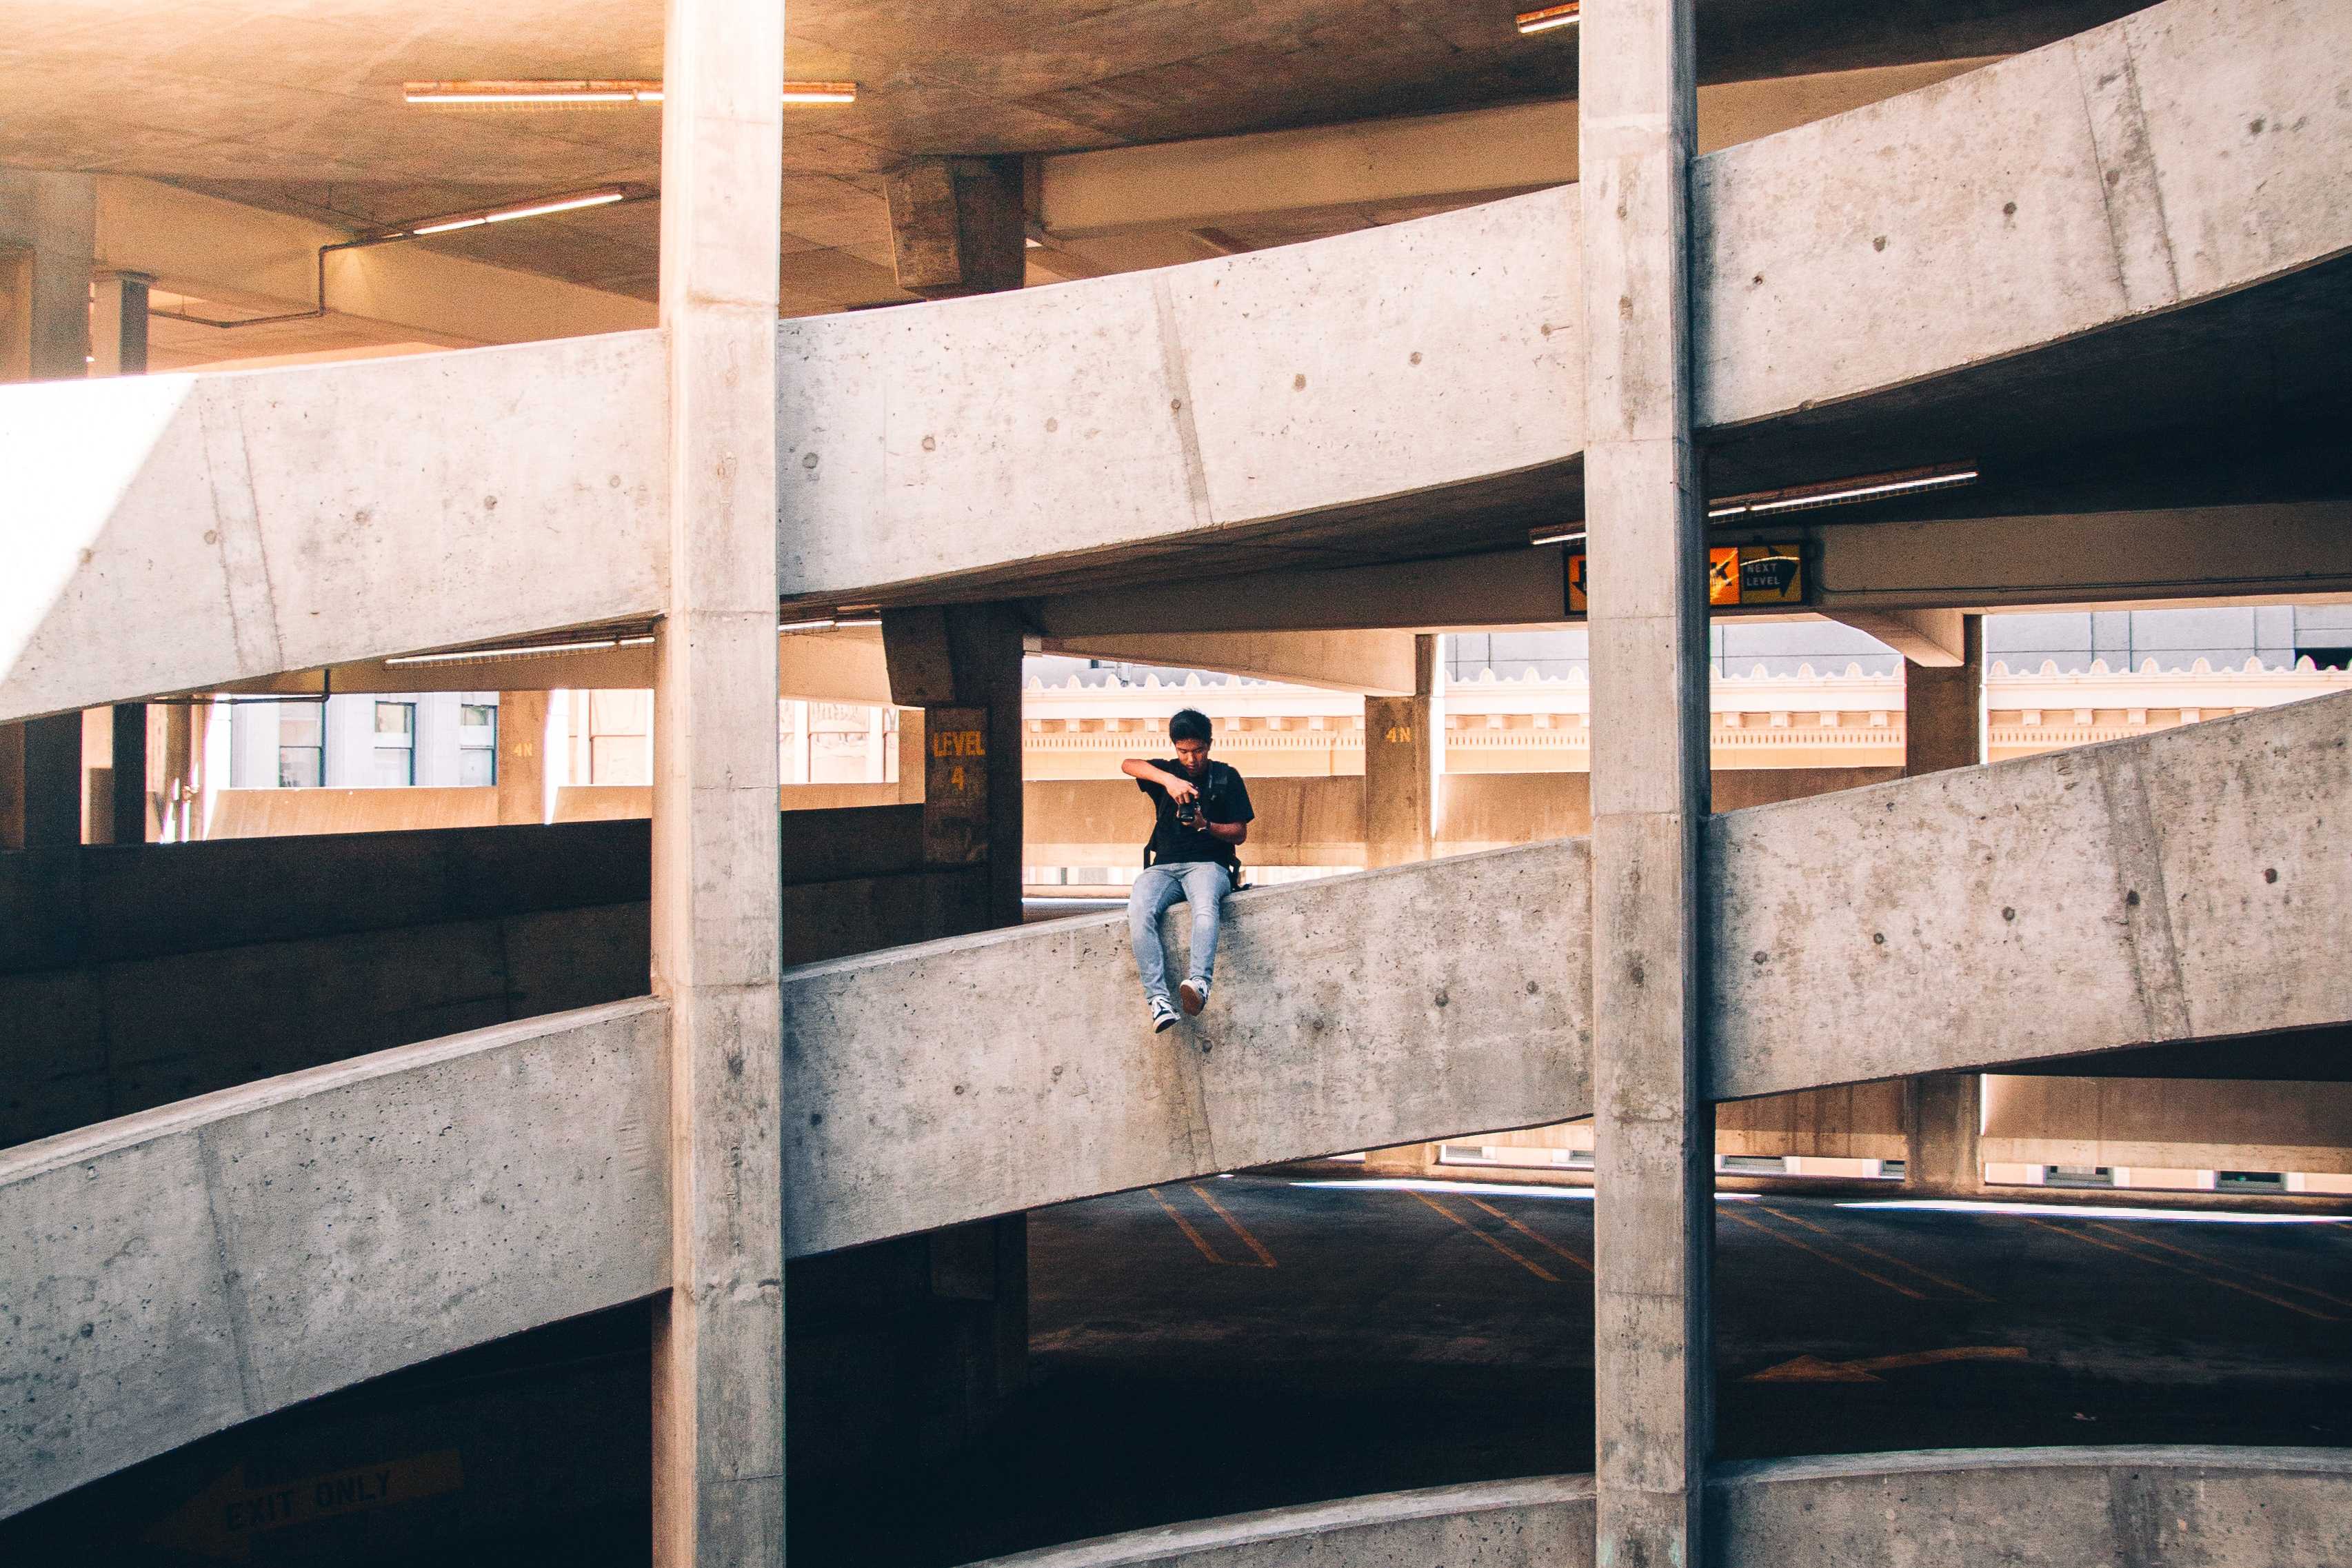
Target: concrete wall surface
<point>2191,149</point>
<point>2193,1123</point>
<point>2035,1508</point>
<point>170,1274</point>
<point>978,1076</point>
<point>945,437</point>
<point>2187,886</point>
<point>276,520</point>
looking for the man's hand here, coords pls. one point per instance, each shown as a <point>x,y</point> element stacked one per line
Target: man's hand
<point>1180,791</point>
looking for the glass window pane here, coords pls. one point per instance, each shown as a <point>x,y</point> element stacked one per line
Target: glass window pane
<point>298,767</point>
<point>298,724</point>
<point>395,765</point>
<point>394,718</point>
<point>476,716</point>
<point>477,765</point>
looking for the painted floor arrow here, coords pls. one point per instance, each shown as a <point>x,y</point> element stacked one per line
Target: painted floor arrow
<point>1813,1369</point>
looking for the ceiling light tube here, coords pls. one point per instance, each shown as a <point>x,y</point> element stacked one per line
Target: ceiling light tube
<point>814,624</point>
<point>591,91</point>
<point>1555,535</point>
<point>849,621</point>
<point>1836,492</point>
<point>560,204</point>
<point>482,655</point>
<point>426,228</point>
<point>1549,17</point>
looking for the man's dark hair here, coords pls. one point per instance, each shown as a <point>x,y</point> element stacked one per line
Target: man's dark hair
<point>1189,724</point>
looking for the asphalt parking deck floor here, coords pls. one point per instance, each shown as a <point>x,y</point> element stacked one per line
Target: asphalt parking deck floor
<point>1208,1347</point>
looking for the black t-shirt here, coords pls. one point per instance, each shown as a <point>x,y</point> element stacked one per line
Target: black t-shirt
<point>1224,798</point>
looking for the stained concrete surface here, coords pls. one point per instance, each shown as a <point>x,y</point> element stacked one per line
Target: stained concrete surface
<point>1389,1347</point>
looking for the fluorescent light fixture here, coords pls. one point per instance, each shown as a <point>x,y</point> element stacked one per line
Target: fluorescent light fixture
<point>562,204</point>
<point>814,624</point>
<point>482,655</point>
<point>1555,535</point>
<point>426,228</point>
<point>2089,1211</point>
<point>859,621</point>
<point>523,94</point>
<point>1551,16</point>
<point>1838,492</point>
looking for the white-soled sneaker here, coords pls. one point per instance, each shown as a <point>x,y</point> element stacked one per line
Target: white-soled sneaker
<point>1164,1016</point>
<point>1194,996</point>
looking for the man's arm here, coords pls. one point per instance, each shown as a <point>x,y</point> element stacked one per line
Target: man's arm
<point>1178,790</point>
<point>1231,831</point>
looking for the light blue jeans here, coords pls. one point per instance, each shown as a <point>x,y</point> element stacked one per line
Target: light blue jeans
<point>1200,883</point>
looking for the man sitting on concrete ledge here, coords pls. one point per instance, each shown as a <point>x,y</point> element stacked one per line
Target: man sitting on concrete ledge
<point>1202,811</point>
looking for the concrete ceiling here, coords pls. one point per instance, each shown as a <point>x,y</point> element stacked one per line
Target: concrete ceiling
<point>295,107</point>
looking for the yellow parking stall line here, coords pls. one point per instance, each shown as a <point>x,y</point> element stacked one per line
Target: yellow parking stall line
<point>2182,1268</point>
<point>1186,1226</point>
<point>1543,1241</point>
<point>1848,1241</point>
<point>2217,1263</point>
<point>1730,1213</point>
<point>1535,1269</point>
<point>1264,1257</point>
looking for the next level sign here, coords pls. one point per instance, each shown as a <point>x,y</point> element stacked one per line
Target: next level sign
<point>1736,574</point>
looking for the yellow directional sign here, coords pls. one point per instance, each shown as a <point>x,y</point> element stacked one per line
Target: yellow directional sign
<point>1736,575</point>
<point>1813,1369</point>
<point>223,1520</point>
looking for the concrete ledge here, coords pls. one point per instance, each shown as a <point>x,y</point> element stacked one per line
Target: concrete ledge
<point>170,1274</point>
<point>991,1073</point>
<point>2148,1507</point>
<point>265,521</point>
<point>2183,887</point>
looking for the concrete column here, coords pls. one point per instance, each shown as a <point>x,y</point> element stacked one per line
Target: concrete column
<point>41,783</point>
<point>118,324</point>
<point>48,230</point>
<point>1405,751</point>
<point>984,647</point>
<point>1942,708</point>
<point>1654,1130</point>
<point>1943,727</point>
<point>719,1338</point>
<point>522,757</point>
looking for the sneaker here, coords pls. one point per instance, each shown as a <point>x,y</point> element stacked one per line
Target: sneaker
<point>1194,994</point>
<point>1164,1016</point>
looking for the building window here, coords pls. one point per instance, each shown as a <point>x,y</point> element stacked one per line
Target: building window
<point>301,745</point>
<point>478,743</point>
<point>395,743</point>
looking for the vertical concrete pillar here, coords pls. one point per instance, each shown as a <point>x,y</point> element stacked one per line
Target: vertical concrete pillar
<point>1943,727</point>
<point>718,1340</point>
<point>132,818</point>
<point>522,757</point>
<point>1654,1130</point>
<point>41,783</point>
<point>48,230</point>
<point>1404,753</point>
<point>118,324</point>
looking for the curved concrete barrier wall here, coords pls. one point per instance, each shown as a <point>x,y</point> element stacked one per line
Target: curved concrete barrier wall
<point>2188,886</point>
<point>170,1274</point>
<point>2035,1508</point>
<point>986,1074</point>
<point>254,523</point>
<point>2183,152</point>
<point>940,439</point>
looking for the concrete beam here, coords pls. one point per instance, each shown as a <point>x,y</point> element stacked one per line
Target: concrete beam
<point>264,262</point>
<point>1377,664</point>
<point>1859,1510</point>
<point>283,519</point>
<point>926,1121</point>
<point>2107,176</point>
<point>1497,589</point>
<point>1408,164</point>
<point>173,1273</point>
<point>2166,888</point>
<point>956,227</point>
<point>1932,640</point>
